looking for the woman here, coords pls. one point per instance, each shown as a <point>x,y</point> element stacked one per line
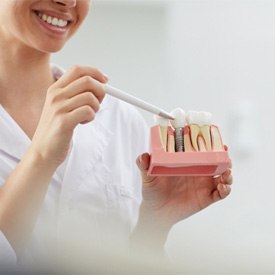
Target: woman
<point>67,151</point>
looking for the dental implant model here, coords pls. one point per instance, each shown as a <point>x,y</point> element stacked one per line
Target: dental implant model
<point>178,124</point>
<point>190,146</point>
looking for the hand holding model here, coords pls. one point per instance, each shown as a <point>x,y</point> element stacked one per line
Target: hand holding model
<point>170,199</point>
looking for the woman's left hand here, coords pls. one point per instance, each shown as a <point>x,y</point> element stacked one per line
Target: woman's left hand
<point>168,200</point>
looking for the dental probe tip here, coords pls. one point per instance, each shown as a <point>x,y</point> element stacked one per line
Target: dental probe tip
<point>166,115</point>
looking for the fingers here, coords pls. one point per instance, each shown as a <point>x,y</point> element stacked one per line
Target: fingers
<point>84,84</point>
<point>223,185</point>
<point>87,98</point>
<point>225,178</point>
<point>224,190</point>
<point>81,115</point>
<point>79,88</point>
<point>77,72</point>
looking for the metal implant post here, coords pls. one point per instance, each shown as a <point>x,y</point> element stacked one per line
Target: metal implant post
<point>179,140</point>
<point>178,124</point>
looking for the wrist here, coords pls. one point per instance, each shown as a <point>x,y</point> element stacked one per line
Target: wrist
<point>39,161</point>
<point>151,231</point>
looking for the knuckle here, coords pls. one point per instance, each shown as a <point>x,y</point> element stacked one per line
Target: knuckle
<point>90,97</point>
<point>93,101</point>
<point>51,92</point>
<point>53,100</point>
<point>89,113</point>
<point>97,71</point>
<point>87,81</point>
<point>76,69</point>
<point>96,107</point>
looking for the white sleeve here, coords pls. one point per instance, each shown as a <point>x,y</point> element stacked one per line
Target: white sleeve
<point>7,254</point>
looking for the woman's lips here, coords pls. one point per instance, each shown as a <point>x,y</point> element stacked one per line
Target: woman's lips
<point>52,23</point>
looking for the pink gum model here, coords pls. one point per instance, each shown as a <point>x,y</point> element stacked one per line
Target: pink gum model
<point>185,163</point>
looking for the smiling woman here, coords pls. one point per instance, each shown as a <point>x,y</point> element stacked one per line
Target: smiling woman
<point>68,153</point>
<point>45,24</point>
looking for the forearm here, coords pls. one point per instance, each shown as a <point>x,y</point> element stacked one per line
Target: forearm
<point>21,198</point>
<point>150,233</point>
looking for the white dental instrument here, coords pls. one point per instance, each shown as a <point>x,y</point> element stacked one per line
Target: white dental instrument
<point>137,102</point>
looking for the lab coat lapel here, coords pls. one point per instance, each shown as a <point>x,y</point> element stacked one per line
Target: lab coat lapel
<point>13,141</point>
<point>89,143</point>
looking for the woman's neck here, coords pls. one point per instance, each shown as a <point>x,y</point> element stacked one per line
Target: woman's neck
<point>25,75</point>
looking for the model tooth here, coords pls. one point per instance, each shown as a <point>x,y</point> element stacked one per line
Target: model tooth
<point>163,125</point>
<point>200,127</point>
<point>205,132</point>
<point>187,140</point>
<point>192,117</point>
<point>201,144</point>
<point>217,144</point>
<point>205,122</point>
<point>194,131</point>
<point>163,133</point>
<point>171,141</point>
<point>205,118</point>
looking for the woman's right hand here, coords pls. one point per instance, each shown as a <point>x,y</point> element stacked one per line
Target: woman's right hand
<point>71,100</point>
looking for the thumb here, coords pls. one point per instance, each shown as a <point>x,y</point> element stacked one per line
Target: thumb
<point>143,162</point>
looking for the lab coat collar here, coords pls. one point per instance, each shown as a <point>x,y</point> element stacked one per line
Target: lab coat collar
<point>13,140</point>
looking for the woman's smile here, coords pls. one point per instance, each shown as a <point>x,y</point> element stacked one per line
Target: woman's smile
<point>53,22</point>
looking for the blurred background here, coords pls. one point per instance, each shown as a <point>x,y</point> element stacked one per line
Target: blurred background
<point>212,55</point>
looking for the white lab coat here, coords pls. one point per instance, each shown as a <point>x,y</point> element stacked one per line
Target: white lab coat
<point>94,196</point>
<point>7,255</point>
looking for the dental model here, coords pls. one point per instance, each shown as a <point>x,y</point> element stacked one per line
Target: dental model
<point>192,149</point>
<point>199,124</point>
<point>178,124</point>
<point>163,125</point>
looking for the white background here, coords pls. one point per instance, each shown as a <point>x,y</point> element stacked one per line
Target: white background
<point>213,55</point>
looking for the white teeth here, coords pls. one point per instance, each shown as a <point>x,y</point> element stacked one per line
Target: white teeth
<point>192,117</point>
<point>53,20</point>
<point>199,118</point>
<point>49,20</point>
<point>206,118</point>
<point>62,23</point>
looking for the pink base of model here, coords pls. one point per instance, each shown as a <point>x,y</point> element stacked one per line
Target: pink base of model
<point>185,163</point>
